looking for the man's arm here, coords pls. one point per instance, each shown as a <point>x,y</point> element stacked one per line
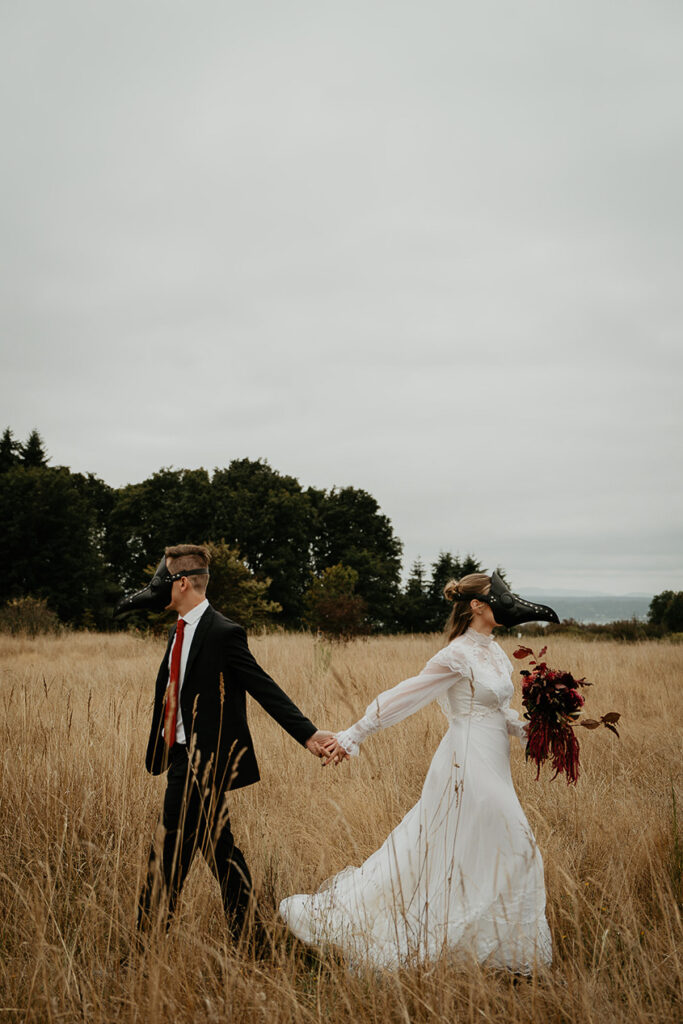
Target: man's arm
<point>246,671</point>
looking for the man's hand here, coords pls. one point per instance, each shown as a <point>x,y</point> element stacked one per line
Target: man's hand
<point>316,742</point>
<point>323,744</point>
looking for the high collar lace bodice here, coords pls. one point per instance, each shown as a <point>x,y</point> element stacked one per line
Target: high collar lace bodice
<point>484,671</point>
<point>479,639</point>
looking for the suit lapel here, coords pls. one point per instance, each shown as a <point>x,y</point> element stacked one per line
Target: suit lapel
<point>162,678</point>
<point>197,640</point>
<point>171,637</point>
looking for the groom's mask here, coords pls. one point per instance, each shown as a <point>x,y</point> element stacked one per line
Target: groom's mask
<point>157,595</point>
<point>510,609</point>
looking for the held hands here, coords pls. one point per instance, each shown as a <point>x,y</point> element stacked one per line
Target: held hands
<point>315,742</point>
<point>334,753</point>
<point>326,746</point>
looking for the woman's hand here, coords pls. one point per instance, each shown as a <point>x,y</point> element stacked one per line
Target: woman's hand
<point>334,753</point>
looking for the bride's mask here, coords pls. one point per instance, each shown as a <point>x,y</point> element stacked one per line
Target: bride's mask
<point>510,609</point>
<point>157,594</point>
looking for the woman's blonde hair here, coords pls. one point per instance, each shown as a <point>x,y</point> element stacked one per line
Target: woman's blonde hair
<point>458,591</point>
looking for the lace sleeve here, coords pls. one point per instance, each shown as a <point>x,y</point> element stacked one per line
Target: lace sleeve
<point>406,698</point>
<point>514,723</point>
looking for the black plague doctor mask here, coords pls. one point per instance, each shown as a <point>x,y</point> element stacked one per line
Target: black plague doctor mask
<point>157,595</point>
<point>510,609</point>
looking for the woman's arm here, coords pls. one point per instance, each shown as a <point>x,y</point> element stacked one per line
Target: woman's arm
<point>514,724</point>
<point>407,697</point>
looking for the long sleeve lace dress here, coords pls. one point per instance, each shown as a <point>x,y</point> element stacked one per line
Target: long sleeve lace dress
<point>462,871</point>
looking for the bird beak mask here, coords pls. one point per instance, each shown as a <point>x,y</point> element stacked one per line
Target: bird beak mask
<point>510,609</point>
<point>157,594</point>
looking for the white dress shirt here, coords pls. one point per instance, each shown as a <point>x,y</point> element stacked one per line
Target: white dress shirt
<point>191,619</point>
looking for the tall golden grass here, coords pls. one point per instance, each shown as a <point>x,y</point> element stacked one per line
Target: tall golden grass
<point>78,811</point>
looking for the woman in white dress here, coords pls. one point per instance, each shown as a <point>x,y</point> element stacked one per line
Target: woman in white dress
<point>461,872</point>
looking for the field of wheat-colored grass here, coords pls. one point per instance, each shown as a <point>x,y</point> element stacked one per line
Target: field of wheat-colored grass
<point>78,811</point>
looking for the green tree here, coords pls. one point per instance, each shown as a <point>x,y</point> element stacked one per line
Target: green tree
<point>9,451</point>
<point>173,506</point>
<point>351,530</point>
<point>269,519</point>
<point>445,568</point>
<point>99,495</point>
<point>33,453</point>
<point>51,543</point>
<point>666,611</point>
<point>332,605</point>
<point>658,606</point>
<point>412,610</point>
<point>673,617</point>
<point>235,591</point>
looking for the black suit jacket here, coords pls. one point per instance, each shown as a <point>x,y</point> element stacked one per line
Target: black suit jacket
<point>220,671</point>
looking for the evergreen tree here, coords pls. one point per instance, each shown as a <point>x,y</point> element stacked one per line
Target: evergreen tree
<point>9,451</point>
<point>446,568</point>
<point>411,609</point>
<point>33,452</point>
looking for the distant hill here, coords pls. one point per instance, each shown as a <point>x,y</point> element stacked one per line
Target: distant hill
<point>599,608</point>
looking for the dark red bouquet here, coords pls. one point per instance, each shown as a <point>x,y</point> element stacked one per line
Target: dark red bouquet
<point>552,705</point>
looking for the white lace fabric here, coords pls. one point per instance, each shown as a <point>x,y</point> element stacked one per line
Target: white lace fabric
<point>470,676</point>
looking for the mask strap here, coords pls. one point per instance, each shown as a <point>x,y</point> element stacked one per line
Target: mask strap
<point>189,572</point>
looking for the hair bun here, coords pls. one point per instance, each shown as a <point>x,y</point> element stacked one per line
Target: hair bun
<point>452,591</point>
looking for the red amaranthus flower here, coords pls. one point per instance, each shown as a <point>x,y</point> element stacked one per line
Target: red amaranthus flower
<point>552,704</point>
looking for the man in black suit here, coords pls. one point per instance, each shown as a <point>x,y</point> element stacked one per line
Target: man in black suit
<point>200,736</point>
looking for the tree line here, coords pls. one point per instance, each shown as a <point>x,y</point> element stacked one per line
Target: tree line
<point>282,553</point>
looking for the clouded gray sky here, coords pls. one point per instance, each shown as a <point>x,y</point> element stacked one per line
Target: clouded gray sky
<point>432,249</point>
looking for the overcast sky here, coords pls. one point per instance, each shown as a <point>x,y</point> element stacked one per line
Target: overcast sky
<point>433,250</point>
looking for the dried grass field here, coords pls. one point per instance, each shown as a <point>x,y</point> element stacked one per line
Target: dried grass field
<point>78,811</point>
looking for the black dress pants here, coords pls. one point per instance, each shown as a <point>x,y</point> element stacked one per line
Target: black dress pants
<point>194,820</point>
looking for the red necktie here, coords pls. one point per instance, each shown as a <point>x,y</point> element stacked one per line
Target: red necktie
<point>171,712</point>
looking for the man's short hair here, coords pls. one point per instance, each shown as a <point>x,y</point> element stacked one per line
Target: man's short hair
<point>189,556</point>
